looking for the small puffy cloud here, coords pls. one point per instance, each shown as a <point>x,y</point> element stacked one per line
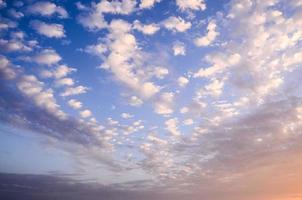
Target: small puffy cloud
<point>116,7</point>
<point>74,91</point>
<point>184,110</point>
<point>209,37</point>
<point>147,29</point>
<point>179,49</point>
<point>126,115</point>
<point>93,18</point>
<point>148,89</point>
<point>47,57</point>
<point>97,50</point>
<point>176,24</point>
<point>13,45</point>
<point>64,82</point>
<point>214,88</point>
<point>60,72</point>
<point>188,122</point>
<point>160,72</point>
<point>85,113</point>
<point>164,104</point>
<point>135,101</point>
<point>75,104</point>
<point>6,70</point>
<point>48,30</point>
<point>46,8</point>
<point>219,64</point>
<point>182,81</point>
<point>147,4</point>
<point>172,126</point>
<point>191,4</point>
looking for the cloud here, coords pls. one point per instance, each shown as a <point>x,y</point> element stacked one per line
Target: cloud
<point>179,49</point>
<point>48,30</point>
<point>29,104</point>
<point>191,4</point>
<point>126,115</point>
<point>159,72</point>
<point>60,72</point>
<point>93,17</point>
<point>164,104</point>
<point>47,57</point>
<point>64,82</point>
<point>48,9</point>
<point>209,37</point>
<point>188,122</point>
<point>147,29</point>
<point>75,104</point>
<point>125,60</point>
<point>176,24</point>
<point>13,45</point>
<point>6,71</point>
<point>172,126</point>
<point>70,91</point>
<point>30,86</point>
<point>182,81</point>
<point>147,4</point>
<point>135,101</point>
<point>85,113</point>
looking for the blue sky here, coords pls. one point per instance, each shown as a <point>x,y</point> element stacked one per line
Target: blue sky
<point>172,95</point>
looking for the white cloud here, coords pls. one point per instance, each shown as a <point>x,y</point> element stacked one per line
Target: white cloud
<point>13,45</point>
<point>125,60</point>
<point>126,115</point>
<point>147,29</point>
<point>6,70</point>
<point>47,57</point>
<point>85,113</point>
<point>176,24</point>
<point>172,126</point>
<point>214,88</point>
<point>75,104</point>
<point>30,86</point>
<point>188,122</point>
<point>160,72</point>
<point>179,49</point>
<point>116,7</point>
<point>70,91</point>
<point>209,37</point>
<point>147,4</point>
<point>135,101</point>
<point>48,30</point>
<point>46,8</point>
<point>93,18</point>
<point>184,110</point>
<point>63,71</point>
<point>164,104</point>
<point>182,81</point>
<point>219,63</point>
<point>191,4</point>
<point>64,82</point>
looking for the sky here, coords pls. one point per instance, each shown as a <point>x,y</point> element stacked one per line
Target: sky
<point>151,99</point>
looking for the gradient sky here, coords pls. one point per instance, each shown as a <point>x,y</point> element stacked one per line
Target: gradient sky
<point>151,99</point>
